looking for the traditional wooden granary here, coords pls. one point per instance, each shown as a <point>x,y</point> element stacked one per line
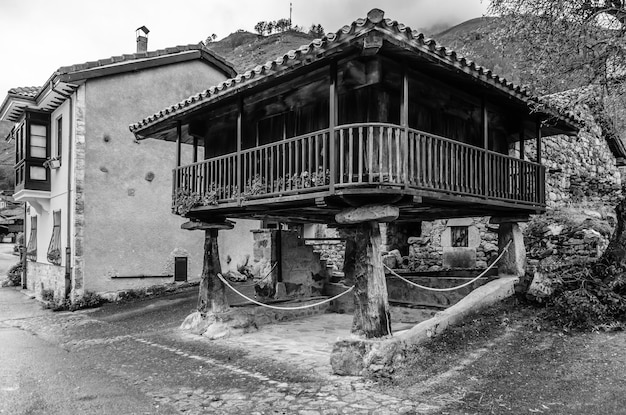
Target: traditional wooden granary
<point>372,114</point>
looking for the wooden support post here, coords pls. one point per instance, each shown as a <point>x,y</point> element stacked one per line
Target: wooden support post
<point>332,123</point>
<point>404,115</point>
<point>485,128</point>
<point>363,265</point>
<point>179,138</point>
<point>179,133</point>
<point>239,145</point>
<point>212,296</point>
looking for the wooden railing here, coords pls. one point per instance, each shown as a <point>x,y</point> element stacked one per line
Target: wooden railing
<point>295,165</point>
<point>366,154</point>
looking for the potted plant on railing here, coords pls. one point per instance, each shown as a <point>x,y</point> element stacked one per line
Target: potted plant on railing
<point>52,163</point>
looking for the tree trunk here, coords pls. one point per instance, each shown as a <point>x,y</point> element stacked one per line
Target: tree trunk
<point>615,253</point>
<point>212,296</point>
<point>363,265</point>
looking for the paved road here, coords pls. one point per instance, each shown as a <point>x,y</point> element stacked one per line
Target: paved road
<point>132,359</point>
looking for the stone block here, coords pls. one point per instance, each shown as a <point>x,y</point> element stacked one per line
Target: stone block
<point>459,257</point>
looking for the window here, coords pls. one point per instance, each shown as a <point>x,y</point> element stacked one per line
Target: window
<point>54,249</point>
<point>459,236</point>
<point>32,150</point>
<point>59,149</point>
<point>31,249</point>
<point>38,141</point>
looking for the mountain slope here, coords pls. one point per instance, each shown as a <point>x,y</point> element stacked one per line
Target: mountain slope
<point>246,50</point>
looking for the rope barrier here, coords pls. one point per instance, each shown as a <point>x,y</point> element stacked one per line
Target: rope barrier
<point>506,248</point>
<point>283,308</point>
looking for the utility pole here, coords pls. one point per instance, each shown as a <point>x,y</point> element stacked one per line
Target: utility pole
<point>290,8</point>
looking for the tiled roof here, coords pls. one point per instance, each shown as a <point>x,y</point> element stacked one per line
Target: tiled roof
<point>25,91</point>
<point>136,56</point>
<point>12,106</point>
<point>305,54</point>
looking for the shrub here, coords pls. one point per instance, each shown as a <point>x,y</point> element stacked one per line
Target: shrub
<point>87,300</point>
<point>588,295</point>
<point>15,274</point>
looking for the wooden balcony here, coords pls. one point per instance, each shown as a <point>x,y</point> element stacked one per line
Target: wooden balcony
<point>313,176</point>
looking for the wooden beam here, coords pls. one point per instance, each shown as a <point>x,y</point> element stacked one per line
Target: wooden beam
<point>203,226</point>
<point>195,149</point>
<point>369,213</point>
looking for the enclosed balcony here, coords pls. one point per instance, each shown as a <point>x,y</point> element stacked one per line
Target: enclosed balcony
<point>367,117</point>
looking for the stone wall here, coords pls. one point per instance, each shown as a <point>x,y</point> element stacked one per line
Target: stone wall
<point>568,235</point>
<point>433,251</point>
<point>302,273</point>
<point>332,251</point>
<point>580,169</point>
<point>42,276</point>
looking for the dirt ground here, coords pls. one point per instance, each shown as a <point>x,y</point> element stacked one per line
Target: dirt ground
<point>510,360</point>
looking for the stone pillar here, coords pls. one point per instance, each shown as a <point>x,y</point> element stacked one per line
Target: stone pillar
<point>513,262</point>
<point>266,252</point>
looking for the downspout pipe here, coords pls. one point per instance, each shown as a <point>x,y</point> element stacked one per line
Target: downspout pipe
<point>68,240</point>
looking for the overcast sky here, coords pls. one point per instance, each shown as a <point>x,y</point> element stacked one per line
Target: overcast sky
<point>39,36</point>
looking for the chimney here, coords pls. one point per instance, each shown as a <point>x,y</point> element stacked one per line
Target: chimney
<point>142,39</point>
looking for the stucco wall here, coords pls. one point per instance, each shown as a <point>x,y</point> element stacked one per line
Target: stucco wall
<point>237,244</point>
<point>129,227</point>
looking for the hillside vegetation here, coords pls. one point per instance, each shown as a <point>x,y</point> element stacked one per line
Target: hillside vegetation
<point>245,50</point>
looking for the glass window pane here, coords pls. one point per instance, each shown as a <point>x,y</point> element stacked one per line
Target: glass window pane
<point>37,173</point>
<point>38,141</point>
<point>38,130</point>
<point>38,152</point>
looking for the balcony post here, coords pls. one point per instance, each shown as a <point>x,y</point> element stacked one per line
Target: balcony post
<point>332,123</point>
<point>404,115</point>
<point>195,149</point>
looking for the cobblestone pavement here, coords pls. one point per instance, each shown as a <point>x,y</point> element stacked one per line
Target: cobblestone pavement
<point>266,372</point>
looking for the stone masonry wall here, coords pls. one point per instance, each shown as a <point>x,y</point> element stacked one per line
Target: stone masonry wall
<point>579,169</point>
<point>46,277</point>
<point>426,253</point>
